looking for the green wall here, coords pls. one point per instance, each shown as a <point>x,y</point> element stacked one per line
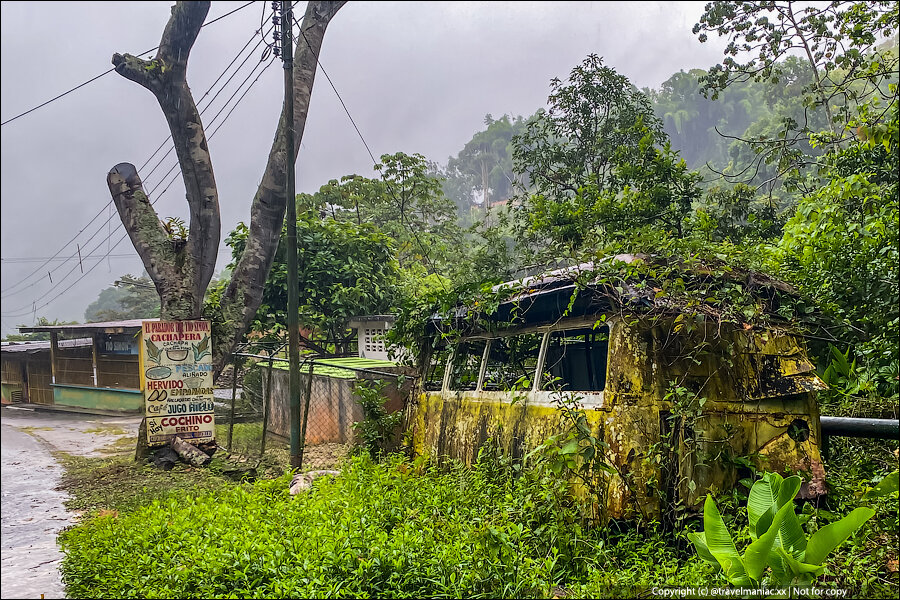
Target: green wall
<point>98,398</point>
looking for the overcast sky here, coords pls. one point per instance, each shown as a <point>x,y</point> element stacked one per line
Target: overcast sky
<point>416,77</point>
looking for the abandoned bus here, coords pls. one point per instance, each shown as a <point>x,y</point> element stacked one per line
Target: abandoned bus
<point>682,406</point>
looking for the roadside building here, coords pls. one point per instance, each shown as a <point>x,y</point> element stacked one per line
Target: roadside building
<point>86,367</point>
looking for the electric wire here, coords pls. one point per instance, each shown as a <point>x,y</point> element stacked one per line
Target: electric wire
<point>26,259</point>
<point>153,202</point>
<point>96,77</point>
<point>12,289</point>
<point>35,307</point>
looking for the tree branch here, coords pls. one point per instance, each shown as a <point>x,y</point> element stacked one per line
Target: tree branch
<point>179,36</point>
<point>243,295</point>
<point>140,221</point>
<point>164,75</point>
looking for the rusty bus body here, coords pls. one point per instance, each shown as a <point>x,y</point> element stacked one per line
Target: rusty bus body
<point>758,389</point>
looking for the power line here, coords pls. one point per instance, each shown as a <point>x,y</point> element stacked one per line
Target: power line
<point>96,77</point>
<point>40,269</point>
<point>35,307</point>
<point>55,98</point>
<point>372,156</point>
<point>25,259</point>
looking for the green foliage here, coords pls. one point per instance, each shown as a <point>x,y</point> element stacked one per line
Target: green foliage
<point>841,249</point>
<point>407,204</point>
<point>482,172</point>
<point>856,468</point>
<point>578,453</point>
<point>675,455</point>
<point>839,41</point>
<point>735,214</point>
<point>399,529</point>
<point>379,427</point>
<point>842,66</point>
<point>698,126</point>
<point>345,269</point>
<point>175,229</point>
<point>599,163</point>
<point>885,487</point>
<point>778,541</point>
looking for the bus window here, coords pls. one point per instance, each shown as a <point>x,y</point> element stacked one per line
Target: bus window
<point>466,364</point>
<point>434,375</point>
<point>512,362</point>
<point>576,360</point>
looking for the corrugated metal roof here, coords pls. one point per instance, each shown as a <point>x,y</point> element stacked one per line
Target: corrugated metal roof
<point>105,327</point>
<point>43,345</point>
<point>341,368</point>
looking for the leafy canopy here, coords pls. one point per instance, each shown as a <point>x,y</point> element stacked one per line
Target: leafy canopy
<point>598,163</point>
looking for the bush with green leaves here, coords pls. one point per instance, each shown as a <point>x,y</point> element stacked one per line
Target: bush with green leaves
<point>397,528</point>
<point>504,528</point>
<point>779,548</point>
<point>379,427</point>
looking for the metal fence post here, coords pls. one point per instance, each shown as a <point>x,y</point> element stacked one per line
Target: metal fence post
<point>266,400</point>
<point>305,414</point>
<point>234,378</point>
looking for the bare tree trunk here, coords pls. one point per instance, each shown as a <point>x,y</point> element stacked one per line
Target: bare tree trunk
<point>243,295</point>
<point>182,269</point>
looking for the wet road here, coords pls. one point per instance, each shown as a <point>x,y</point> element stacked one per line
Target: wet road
<point>32,508</point>
<point>32,515</point>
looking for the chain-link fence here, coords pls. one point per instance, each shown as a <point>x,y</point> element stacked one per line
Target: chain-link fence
<point>345,403</point>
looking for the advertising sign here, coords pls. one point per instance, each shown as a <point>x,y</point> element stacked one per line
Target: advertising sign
<point>176,378</point>
<point>118,344</point>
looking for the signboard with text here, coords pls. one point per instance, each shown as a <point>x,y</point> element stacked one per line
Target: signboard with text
<point>176,378</point>
<point>118,344</point>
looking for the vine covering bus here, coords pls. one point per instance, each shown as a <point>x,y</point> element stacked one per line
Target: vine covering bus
<point>678,404</point>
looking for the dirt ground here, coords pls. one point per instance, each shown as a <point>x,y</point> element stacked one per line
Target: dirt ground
<point>32,507</point>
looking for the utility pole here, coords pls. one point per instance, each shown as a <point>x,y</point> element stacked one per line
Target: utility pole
<point>293,324</point>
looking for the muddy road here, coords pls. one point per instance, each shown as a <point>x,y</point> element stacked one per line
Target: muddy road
<point>32,507</point>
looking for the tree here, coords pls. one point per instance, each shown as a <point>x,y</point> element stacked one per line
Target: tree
<point>736,215</point>
<point>407,203</point>
<point>841,248</point>
<point>483,168</point>
<point>129,297</point>
<point>697,125</point>
<point>839,42</point>
<point>181,267</point>
<point>599,162</point>
<point>346,269</point>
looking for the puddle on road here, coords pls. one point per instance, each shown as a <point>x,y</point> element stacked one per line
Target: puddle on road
<point>31,517</point>
<point>32,508</point>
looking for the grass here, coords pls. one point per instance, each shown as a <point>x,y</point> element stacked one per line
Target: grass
<point>122,445</point>
<point>108,430</point>
<point>119,483</point>
<point>398,529</point>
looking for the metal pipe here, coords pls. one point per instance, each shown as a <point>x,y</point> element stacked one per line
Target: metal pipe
<point>882,429</point>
